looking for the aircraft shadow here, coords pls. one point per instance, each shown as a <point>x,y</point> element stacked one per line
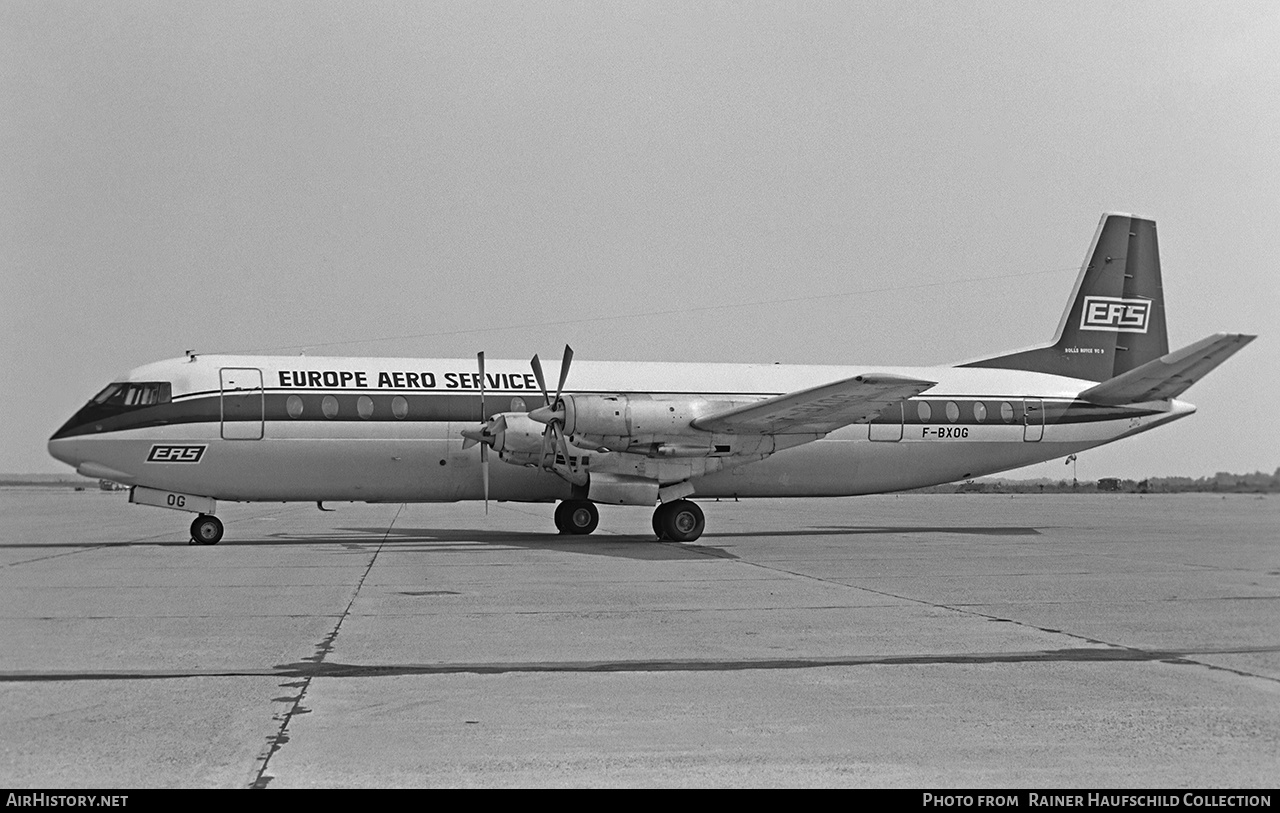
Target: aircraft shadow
<point>859,530</point>
<point>641,547</point>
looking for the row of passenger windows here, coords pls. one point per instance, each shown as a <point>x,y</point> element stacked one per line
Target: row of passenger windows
<point>400,409</point>
<point>364,407</point>
<point>925,412</point>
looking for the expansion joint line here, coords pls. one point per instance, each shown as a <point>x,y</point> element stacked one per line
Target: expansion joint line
<point>1183,660</point>
<point>260,777</point>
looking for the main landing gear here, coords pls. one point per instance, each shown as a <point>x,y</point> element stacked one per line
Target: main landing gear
<point>678,521</point>
<point>577,517</point>
<point>206,530</point>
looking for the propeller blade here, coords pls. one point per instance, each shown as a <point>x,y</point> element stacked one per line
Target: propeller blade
<point>484,447</point>
<point>537,373</point>
<point>480,361</point>
<point>563,446</point>
<point>564,372</point>
<point>484,475</point>
<point>546,436</point>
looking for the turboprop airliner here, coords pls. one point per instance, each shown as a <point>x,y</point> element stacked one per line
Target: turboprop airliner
<point>190,432</point>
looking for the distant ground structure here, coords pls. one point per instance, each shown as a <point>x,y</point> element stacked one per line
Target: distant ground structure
<point>1222,482</point>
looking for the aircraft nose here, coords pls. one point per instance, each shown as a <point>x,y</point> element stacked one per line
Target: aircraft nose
<point>61,448</point>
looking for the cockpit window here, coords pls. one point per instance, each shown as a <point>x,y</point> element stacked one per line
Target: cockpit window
<point>102,397</point>
<point>134,394</point>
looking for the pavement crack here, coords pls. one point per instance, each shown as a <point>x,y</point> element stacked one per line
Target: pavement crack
<point>1110,646</point>
<point>274,742</point>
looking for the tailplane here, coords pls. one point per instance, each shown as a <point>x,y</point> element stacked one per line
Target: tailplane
<point>1168,376</point>
<point>1115,319</point>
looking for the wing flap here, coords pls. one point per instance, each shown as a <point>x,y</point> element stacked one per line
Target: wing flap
<point>1170,375</point>
<point>816,410</point>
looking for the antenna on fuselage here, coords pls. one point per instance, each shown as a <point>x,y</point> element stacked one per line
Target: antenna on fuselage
<point>191,356</point>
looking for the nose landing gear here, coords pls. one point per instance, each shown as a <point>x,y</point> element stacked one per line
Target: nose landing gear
<point>206,530</point>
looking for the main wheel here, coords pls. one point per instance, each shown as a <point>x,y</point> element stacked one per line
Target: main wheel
<point>560,521</point>
<point>206,530</point>
<point>679,521</point>
<point>577,517</point>
<point>657,520</point>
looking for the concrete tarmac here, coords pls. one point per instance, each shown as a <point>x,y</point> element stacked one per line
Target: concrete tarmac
<point>923,641</point>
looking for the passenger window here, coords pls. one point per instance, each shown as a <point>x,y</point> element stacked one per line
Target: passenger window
<point>294,406</point>
<point>923,410</point>
<point>953,411</point>
<point>1006,412</point>
<point>979,411</point>
<point>364,407</point>
<point>329,406</point>
<point>399,407</point>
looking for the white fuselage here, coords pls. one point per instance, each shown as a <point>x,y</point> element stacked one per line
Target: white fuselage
<point>331,429</point>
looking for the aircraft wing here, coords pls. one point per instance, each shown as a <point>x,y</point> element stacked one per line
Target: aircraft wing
<point>1170,375</point>
<point>817,410</point>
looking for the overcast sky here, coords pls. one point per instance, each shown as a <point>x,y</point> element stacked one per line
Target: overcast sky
<point>833,183</point>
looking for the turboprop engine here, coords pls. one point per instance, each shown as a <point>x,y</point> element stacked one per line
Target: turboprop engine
<point>517,439</point>
<point>622,422</point>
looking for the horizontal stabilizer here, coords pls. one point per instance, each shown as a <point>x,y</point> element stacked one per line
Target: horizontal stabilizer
<point>817,410</point>
<point>1170,375</point>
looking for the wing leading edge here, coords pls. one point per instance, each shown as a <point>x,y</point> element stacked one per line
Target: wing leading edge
<point>817,410</point>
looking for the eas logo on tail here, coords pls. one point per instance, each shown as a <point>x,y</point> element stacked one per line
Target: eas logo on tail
<point>1115,314</point>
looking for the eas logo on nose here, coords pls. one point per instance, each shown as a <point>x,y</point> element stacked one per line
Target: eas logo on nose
<point>161,453</point>
<point>1115,314</point>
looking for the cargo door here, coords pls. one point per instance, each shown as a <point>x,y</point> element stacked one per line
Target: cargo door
<point>242,403</point>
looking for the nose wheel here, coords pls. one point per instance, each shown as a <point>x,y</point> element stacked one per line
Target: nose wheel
<point>577,517</point>
<point>679,521</point>
<point>206,530</point>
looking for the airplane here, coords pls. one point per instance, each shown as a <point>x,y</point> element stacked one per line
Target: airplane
<point>188,432</point>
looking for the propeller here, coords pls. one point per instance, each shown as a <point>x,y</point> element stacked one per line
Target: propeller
<point>552,412</point>
<point>490,431</point>
<point>484,447</point>
<point>483,435</point>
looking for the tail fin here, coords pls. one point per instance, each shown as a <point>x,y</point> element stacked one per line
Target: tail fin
<point>1115,320</point>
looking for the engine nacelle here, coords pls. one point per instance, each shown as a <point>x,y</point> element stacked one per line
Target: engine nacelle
<point>620,422</point>
<point>518,438</point>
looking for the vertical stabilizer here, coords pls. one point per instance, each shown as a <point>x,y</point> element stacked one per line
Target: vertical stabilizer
<point>1115,319</point>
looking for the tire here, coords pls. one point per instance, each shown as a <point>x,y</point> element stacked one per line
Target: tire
<point>206,530</point>
<point>580,517</point>
<point>681,521</point>
<point>657,521</point>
